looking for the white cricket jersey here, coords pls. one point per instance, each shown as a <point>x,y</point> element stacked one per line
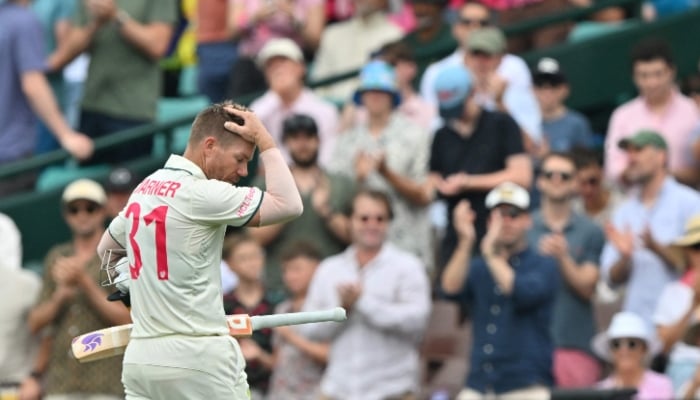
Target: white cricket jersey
<point>173,229</point>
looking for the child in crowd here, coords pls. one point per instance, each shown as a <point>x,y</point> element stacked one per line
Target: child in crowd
<point>299,362</point>
<point>563,129</point>
<point>246,258</point>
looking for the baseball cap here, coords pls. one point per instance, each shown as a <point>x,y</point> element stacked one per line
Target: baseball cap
<point>280,47</point>
<point>490,40</point>
<point>508,193</point>
<point>378,75</point>
<point>84,189</point>
<point>452,86</point>
<point>643,139</point>
<point>297,123</point>
<point>548,72</point>
<point>121,179</point>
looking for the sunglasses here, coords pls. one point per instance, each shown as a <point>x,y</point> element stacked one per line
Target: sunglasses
<point>469,21</point>
<point>510,212</point>
<point>376,218</point>
<point>631,344</point>
<point>74,210</point>
<point>695,247</point>
<point>299,123</point>
<point>564,176</point>
<point>592,181</point>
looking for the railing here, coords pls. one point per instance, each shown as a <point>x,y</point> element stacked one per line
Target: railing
<point>113,140</point>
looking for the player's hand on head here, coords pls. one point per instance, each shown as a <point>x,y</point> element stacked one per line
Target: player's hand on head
<point>248,126</point>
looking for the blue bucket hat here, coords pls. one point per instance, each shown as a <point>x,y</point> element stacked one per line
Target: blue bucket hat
<point>452,86</point>
<point>378,75</point>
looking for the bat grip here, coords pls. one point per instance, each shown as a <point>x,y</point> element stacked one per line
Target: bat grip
<point>305,317</point>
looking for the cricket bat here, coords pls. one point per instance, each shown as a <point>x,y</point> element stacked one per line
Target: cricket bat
<point>112,341</point>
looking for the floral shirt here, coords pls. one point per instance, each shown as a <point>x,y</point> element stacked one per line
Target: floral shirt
<point>296,376</point>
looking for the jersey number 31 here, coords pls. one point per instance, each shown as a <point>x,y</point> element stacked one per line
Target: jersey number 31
<point>158,216</point>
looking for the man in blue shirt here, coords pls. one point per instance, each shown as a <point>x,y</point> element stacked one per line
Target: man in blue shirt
<point>25,94</point>
<point>642,228</point>
<point>511,290</point>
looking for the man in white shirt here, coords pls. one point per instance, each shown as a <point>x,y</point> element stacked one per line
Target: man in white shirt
<point>173,229</point>
<point>518,96</point>
<point>374,355</point>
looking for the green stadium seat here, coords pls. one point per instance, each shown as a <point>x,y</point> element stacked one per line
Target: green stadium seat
<point>188,82</point>
<point>589,30</point>
<point>173,108</point>
<point>55,177</point>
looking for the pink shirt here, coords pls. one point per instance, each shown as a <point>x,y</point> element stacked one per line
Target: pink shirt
<point>675,125</point>
<point>278,25</point>
<point>272,113</point>
<point>654,386</point>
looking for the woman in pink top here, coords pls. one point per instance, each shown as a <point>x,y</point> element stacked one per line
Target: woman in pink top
<point>255,22</point>
<point>628,345</point>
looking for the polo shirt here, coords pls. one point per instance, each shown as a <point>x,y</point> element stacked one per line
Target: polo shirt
<point>573,325</point>
<point>512,347</point>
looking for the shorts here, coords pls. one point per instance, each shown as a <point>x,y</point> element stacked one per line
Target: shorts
<point>173,368</point>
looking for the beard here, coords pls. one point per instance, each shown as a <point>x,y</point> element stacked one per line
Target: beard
<point>305,162</point>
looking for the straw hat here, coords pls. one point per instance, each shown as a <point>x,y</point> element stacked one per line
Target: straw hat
<point>691,235</point>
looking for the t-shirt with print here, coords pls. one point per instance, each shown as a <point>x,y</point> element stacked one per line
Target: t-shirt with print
<point>258,375</point>
<point>65,374</point>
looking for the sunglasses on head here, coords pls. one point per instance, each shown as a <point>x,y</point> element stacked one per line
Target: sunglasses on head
<point>376,218</point>
<point>564,176</point>
<point>73,209</point>
<point>630,343</point>
<point>470,21</point>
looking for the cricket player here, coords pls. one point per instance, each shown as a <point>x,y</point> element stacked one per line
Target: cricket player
<point>173,229</point>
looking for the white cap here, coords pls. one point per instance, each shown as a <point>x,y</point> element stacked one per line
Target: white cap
<point>508,193</point>
<point>548,65</point>
<point>281,47</point>
<point>624,324</point>
<point>84,189</point>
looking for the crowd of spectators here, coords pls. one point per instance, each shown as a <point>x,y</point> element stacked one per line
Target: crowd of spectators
<point>572,254</point>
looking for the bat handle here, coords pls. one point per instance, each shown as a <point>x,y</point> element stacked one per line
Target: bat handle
<point>337,314</point>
